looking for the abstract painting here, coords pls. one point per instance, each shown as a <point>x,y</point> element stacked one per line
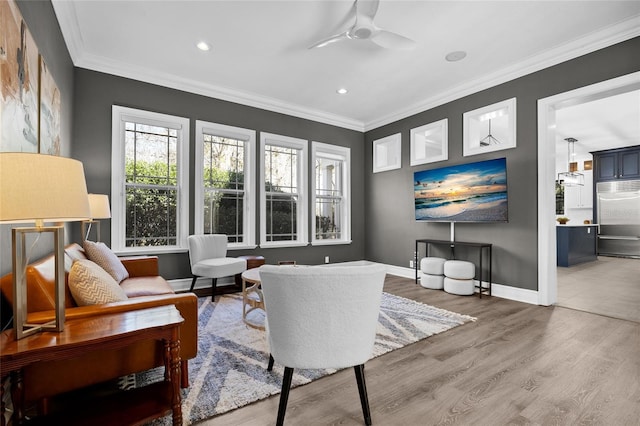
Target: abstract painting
<point>49,112</point>
<point>18,82</point>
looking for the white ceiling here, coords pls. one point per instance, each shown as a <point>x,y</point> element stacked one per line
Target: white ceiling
<point>259,49</point>
<point>611,122</point>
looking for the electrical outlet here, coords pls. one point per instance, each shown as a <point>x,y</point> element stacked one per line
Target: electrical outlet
<point>411,264</point>
<point>326,259</point>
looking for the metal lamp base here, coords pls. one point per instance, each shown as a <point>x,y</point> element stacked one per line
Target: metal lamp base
<point>86,229</point>
<point>21,327</point>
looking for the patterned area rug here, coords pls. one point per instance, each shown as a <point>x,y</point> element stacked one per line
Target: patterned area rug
<point>230,370</point>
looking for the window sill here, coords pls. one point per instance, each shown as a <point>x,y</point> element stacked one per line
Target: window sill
<point>242,247</point>
<point>329,242</point>
<point>150,251</point>
<point>284,244</point>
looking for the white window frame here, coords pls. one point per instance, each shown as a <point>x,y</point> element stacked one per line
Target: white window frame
<point>302,184</point>
<point>119,115</point>
<point>249,214</point>
<point>340,153</point>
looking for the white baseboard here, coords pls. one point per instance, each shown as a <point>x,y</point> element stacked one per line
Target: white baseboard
<point>400,271</point>
<point>498,290</point>
<point>514,293</point>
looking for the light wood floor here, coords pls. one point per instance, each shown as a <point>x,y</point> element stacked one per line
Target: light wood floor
<point>518,364</point>
<point>608,286</point>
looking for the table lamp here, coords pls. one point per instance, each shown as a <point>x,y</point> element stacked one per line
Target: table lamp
<point>99,206</point>
<point>39,189</point>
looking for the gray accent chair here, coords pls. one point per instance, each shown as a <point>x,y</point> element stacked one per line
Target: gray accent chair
<point>208,257</point>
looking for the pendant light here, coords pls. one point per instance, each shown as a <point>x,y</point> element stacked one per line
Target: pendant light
<point>571,177</point>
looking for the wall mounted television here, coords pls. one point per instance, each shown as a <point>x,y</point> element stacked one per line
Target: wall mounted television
<point>471,192</point>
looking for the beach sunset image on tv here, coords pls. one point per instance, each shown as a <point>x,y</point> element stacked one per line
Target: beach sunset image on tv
<point>472,192</point>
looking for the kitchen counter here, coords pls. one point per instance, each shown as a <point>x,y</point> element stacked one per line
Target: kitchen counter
<point>576,244</point>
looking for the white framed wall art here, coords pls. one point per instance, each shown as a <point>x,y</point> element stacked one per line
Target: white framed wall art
<point>490,128</point>
<point>387,153</point>
<point>429,143</point>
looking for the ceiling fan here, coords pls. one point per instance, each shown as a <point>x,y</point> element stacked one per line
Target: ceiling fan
<point>365,29</point>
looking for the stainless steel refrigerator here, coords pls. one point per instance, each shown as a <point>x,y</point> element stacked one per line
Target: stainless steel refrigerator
<point>618,215</point>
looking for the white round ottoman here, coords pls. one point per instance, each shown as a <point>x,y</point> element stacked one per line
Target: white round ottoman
<point>432,270</point>
<point>435,282</point>
<point>458,277</point>
<point>432,265</point>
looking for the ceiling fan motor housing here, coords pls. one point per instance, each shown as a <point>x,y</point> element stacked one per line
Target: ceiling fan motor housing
<point>361,33</point>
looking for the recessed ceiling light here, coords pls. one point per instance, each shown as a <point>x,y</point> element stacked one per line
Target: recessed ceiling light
<point>342,91</point>
<point>203,46</point>
<point>456,56</point>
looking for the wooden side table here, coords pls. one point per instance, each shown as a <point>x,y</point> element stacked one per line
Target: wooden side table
<point>81,336</point>
<point>249,304</point>
<point>252,262</point>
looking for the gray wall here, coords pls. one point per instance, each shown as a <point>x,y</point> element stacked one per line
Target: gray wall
<point>97,92</point>
<point>43,25</point>
<point>389,231</point>
<point>391,228</point>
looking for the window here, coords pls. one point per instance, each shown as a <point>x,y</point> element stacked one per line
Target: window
<point>283,199</point>
<point>224,198</point>
<point>331,189</point>
<point>149,186</point>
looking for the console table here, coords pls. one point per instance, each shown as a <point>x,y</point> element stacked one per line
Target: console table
<point>481,247</point>
<point>82,336</point>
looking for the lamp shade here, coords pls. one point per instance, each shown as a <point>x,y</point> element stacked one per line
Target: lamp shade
<point>41,188</point>
<point>99,204</point>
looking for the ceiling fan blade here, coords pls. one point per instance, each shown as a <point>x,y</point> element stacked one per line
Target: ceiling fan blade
<point>332,39</point>
<point>367,9</point>
<point>392,40</point>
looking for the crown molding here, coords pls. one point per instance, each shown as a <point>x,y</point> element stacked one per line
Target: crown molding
<point>66,14</point>
<point>145,75</point>
<point>596,40</point>
<point>68,21</point>
<point>67,18</point>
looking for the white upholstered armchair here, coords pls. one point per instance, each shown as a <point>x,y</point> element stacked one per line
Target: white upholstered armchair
<point>322,317</point>
<point>208,257</point>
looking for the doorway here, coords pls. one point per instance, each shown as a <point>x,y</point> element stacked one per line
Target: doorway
<point>547,136</point>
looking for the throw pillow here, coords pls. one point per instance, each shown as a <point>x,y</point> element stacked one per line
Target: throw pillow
<point>107,259</point>
<point>91,285</point>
